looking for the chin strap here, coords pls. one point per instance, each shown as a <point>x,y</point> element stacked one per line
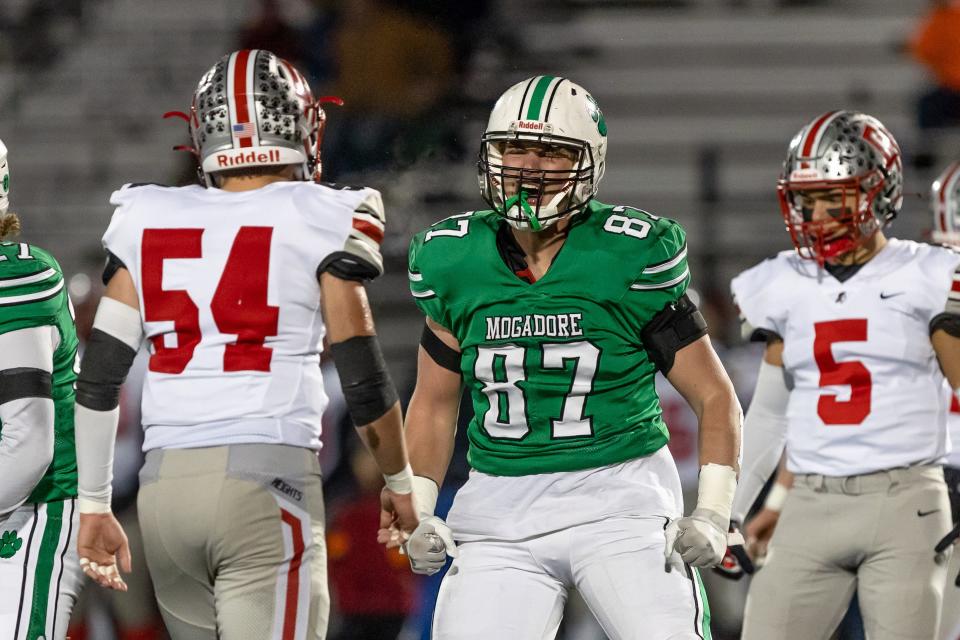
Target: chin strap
<point>521,200</point>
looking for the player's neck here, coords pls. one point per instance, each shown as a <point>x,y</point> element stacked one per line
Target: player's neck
<point>541,247</point>
<point>251,182</point>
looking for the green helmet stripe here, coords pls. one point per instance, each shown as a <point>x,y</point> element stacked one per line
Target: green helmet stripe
<point>536,101</point>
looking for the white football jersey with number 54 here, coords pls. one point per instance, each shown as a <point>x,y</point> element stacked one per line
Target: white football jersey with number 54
<point>868,393</point>
<point>230,302</point>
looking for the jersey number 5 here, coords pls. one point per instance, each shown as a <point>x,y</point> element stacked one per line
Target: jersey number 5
<point>239,306</point>
<point>851,372</point>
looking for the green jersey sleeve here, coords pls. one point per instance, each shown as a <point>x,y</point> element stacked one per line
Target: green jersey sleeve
<point>31,287</point>
<point>431,269</point>
<point>662,273</point>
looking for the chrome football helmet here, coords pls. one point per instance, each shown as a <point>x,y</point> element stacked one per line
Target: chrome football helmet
<point>844,150</point>
<point>945,205</point>
<point>554,112</point>
<point>254,109</point>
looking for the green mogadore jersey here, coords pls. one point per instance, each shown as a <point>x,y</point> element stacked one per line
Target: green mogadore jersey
<point>33,294</point>
<point>557,370</point>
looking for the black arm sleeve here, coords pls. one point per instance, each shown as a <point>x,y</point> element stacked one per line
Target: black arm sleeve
<point>364,378</point>
<point>111,267</point>
<point>674,327</point>
<point>105,365</point>
<point>25,382</point>
<point>439,352</point>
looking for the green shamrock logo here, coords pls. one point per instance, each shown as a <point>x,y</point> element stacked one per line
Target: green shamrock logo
<point>9,544</point>
<point>596,115</point>
<point>6,183</point>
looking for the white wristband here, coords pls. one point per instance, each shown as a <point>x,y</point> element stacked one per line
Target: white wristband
<point>86,505</point>
<point>425,493</point>
<point>718,483</point>
<point>776,497</point>
<point>401,481</point>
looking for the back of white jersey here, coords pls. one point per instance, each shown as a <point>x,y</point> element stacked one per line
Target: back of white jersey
<point>230,301</point>
<point>868,393</point>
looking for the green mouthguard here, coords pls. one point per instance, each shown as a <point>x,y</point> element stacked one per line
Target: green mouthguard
<point>521,200</point>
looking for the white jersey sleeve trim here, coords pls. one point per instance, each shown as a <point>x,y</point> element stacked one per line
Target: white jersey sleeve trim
<point>662,285</point>
<point>36,277</point>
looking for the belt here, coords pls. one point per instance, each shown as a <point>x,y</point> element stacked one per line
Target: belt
<point>875,482</point>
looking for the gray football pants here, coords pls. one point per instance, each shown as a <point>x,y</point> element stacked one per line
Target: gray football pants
<point>873,533</point>
<point>234,539</point>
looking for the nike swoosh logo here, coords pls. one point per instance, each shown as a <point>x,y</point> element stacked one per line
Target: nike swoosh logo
<point>926,513</point>
<point>884,296</point>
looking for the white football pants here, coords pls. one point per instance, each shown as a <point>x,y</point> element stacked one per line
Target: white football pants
<point>517,590</point>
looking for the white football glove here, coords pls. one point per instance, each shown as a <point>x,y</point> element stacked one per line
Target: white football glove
<point>429,545</point>
<point>700,538</point>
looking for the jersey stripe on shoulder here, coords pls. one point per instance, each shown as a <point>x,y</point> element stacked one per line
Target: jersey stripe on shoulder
<point>667,264</point>
<point>34,296</point>
<point>17,281</point>
<point>417,288</point>
<point>672,282</point>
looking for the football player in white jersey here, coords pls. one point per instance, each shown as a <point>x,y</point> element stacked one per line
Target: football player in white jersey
<point>860,332</point>
<point>945,205</point>
<point>236,285</point>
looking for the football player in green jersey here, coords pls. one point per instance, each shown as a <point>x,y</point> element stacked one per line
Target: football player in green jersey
<point>39,571</point>
<point>555,311</point>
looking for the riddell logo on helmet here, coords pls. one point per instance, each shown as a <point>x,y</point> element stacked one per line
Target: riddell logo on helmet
<point>806,174</point>
<point>250,157</point>
<point>531,125</point>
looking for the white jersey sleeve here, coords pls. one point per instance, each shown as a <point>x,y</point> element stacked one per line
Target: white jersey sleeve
<point>756,292</point>
<point>230,302</point>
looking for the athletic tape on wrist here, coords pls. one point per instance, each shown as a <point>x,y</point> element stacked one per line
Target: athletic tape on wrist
<point>776,497</point>
<point>718,483</point>
<point>86,505</point>
<point>425,493</point>
<point>401,481</point>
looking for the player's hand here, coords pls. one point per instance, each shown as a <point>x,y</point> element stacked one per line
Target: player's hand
<point>700,538</point>
<point>759,531</point>
<point>429,545</point>
<point>398,518</point>
<point>101,542</point>
<point>736,561</point>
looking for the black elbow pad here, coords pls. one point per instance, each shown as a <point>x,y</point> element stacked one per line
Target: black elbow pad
<point>364,378</point>
<point>105,364</point>
<point>674,327</point>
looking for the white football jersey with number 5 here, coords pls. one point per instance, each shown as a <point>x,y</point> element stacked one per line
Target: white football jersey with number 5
<point>230,302</point>
<point>868,393</point>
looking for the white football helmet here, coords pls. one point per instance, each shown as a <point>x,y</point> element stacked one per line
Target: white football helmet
<point>555,112</point>
<point>945,204</point>
<point>4,179</point>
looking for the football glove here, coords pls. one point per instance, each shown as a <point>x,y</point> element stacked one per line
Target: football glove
<point>736,561</point>
<point>700,538</point>
<point>429,545</point>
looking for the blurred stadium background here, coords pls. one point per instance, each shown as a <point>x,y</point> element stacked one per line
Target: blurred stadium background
<point>700,96</point>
